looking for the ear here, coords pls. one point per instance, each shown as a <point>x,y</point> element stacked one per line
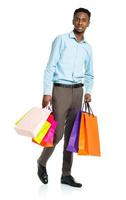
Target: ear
<point>88,23</point>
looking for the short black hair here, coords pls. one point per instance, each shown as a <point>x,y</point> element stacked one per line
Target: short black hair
<point>83,10</point>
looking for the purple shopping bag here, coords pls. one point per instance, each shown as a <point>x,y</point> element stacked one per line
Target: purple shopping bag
<point>73,141</point>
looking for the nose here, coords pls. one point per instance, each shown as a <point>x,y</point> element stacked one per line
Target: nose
<point>80,22</point>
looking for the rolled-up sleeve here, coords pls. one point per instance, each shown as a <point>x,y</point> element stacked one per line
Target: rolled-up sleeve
<point>89,75</point>
<point>51,66</point>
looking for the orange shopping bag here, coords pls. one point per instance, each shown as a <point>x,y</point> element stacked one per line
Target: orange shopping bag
<point>88,143</point>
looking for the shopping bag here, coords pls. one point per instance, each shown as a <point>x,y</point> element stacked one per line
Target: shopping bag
<point>47,140</point>
<point>32,122</point>
<point>44,129</point>
<point>73,140</point>
<point>89,143</point>
<point>49,137</point>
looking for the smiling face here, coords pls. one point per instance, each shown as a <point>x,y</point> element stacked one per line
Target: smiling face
<point>81,21</point>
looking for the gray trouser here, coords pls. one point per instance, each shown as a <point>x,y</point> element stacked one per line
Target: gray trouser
<point>66,102</point>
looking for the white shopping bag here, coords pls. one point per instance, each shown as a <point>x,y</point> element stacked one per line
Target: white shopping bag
<point>31,122</point>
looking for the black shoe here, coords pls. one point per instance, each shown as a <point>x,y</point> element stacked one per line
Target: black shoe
<point>42,174</point>
<point>69,180</point>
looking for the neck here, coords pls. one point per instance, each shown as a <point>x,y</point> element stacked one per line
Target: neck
<point>79,36</point>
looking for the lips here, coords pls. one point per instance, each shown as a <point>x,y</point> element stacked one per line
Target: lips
<point>80,28</point>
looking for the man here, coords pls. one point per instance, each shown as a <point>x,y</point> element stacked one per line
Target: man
<point>68,71</point>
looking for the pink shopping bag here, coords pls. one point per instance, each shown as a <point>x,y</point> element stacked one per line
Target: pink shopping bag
<point>47,141</point>
<point>32,122</point>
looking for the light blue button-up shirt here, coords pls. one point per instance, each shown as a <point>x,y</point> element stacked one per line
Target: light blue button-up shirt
<point>70,62</point>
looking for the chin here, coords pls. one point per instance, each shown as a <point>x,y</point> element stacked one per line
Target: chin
<point>79,31</point>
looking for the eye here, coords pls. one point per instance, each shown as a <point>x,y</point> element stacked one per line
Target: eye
<point>76,19</point>
<point>84,20</point>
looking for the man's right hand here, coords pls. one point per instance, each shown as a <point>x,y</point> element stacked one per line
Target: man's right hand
<point>46,99</point>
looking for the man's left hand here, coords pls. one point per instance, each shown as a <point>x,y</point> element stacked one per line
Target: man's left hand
<point>87,97</point>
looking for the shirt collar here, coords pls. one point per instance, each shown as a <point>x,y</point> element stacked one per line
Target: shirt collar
<point>72,35</point>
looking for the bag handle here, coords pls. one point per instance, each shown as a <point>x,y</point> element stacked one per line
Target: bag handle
<point>87,108</point>
<point>49,106</point>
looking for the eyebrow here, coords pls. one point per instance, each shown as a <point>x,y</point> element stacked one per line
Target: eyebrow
<point>80,17</point>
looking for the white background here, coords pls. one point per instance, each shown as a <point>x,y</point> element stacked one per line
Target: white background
<point>27,28</point>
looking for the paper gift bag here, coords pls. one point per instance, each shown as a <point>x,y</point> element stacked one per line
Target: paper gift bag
<point>49,137</point>
<point>32,122</point>
<point>44,129</point>
<point>82,143</point>
<point>47,141</point>
<point>89,143</point>
<point>73,140</point>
